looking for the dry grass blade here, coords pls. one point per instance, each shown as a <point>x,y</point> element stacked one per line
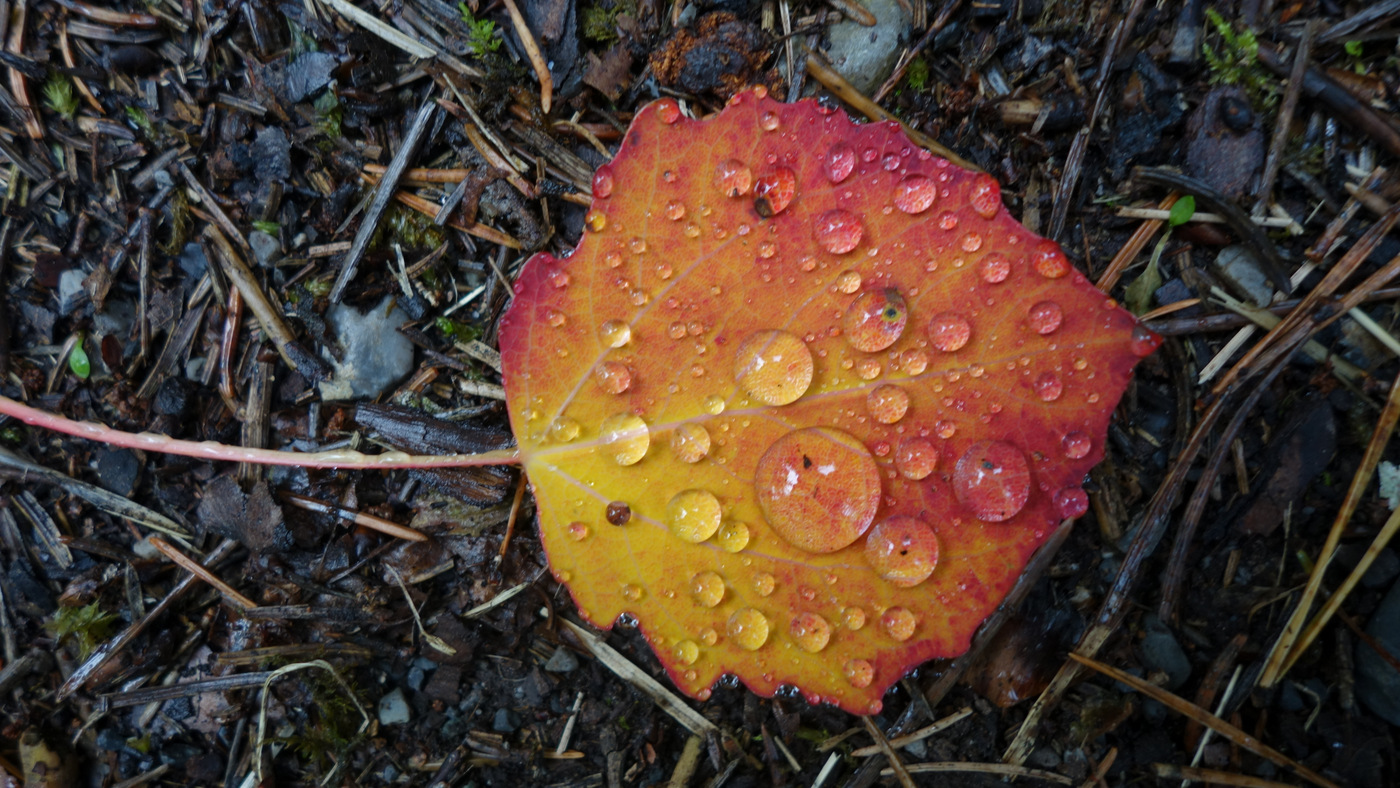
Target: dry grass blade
<point>108,502</point>
<point>1169,771</point>
<point>532,51</point>
<point>1196,713</point>
<point>379,28</point>
<point>197,569</point>
<point>896,767</point>
<point>1135,244</point>
<point>901,742</point>
<point>1000,769</point>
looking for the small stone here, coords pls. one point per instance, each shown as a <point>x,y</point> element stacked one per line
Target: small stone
<point>374,354</point>
<point>118,470</point>
<point>71,293</point>
<point>865,56</point>
<point>1383,571</point>
<point>393,708</point>
<point>505,721</point>
<point>561,661</point>
<point>1377,683</point>
<point>1241,267</point>
<point>415,678</point>
<point>266,248</point>
<point>1161,651</point>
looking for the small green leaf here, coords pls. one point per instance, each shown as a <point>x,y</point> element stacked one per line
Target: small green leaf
<point>271,228</point>
<point>1353,48</point>
<point>78,361</point>
<point>1182,212</point>
<point>1138,296</point>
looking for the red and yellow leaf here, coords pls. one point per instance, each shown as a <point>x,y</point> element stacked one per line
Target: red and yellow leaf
<point>805,399</point>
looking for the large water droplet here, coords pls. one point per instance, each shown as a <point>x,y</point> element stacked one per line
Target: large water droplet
<point>993,480</point>
<point>602,182</point>
<point>915,458</point>
<point>847,282</point>
<point>625,437</point>
<point>914,361</point>
<point>915,194</point>
<point>690,442</point>
<point>675,210</point>
<point>613,377</point>
<point>1076,445</point>
<point>693,515</point>
<point>763,584</point>
<point>687,651</point>
<point>902,550</point>
<point>949,331</point>
<point>810,632</point>
<point>859,673</point>
<point>732,536</point>
<point>707,588</point>
<point>853,617</point>
<point>994,268</point>
<point>1049,260</point>
<point>875,320</point>
<point>748,628</point>
<point>774,192</point>
<point>985,195</point>
<point>899,623</point>
<point>733,178</point>
<point>614,333</point>
<point>1071,502</point>
<point>668,110</point>
<point>888,403</point>
<point>818,488</point>
<point>838,231</point>
<point>1048,387</point>
<point>768,121</point>
<point>1144,341</point>
<point>773,367</point>
<point>839,161</point>
<point>1045,317</point>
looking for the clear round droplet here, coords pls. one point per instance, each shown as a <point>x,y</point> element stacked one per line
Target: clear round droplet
<point>994,268</point>
<point>613,377</point>
<point>914,361</point>
<point>875,320</point>
<point>1076,445</point>
<point>915,194</point>
<point>838,231</point>
<point>899,623</point>
<point>1045,317</point>
<point>915,458</point>
<point>839,161</point>
<point>693,515</point>
<point>887,403</point>
<point>763,584</point>
<point>713,404</point>
<point>773,367</point>
<point>1048,387</point>
<point>858,672</point>
<point>993,480</point>
<point>733,177</point>
<point>903,550</point>
<point>810,632</point>
<point>853,617</point>
<point>985,195</point>
<point>949,331</point>
<point>675,210</point>
<point>668,110</point>
<point>690,442</point>
<point>748,628</point>
<point>632,592</point>
<point>614,333</point>
<point>732,536</point>
<point>555,318</point>
<point>774,192</point>
<point>1049,260</point>
<point>707,588</point>
<point>1071,502</point>
<point>625,437</point>
<point>818,488</point>
<point>563,429</point>
<point>687,651</point>
<point>847,282</point>
<point>1144,341</point>
<point>602,182</point>
<point>768,121</point>
<point>578,531</point>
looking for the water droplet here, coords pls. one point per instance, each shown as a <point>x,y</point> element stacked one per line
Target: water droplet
<point>994,268</point>
<point>888,403</point>
<point>774,192</point>
<point>709,636</point>
<point>847,282</point>
<point>1076,445</point>
<point>810,632</point>
<point>773,367</point>
<point>915,194</point>
<point>595,220</point>
<point>902,550</point>
<point>748,628</point>
<point>676,330</point>
<point>1071,502</point>
<point>768,121</point>
<point>945,429</point>
<point>713,404</point>
<point>818,488</point>
<point>853,617</point>
<point>948,220</point>
<point>613,377</point>
<point>690,442</point>
<point>733,178</point>
<point>668,110</point>
<point>914,361</point>
<point>732,537</point>
<point>564,575</point>
<point>1144,341</point>
<point>563,429</point>
<point>1048,387</point>
<point>632,592</point>
<point>763,584</point>
<point>626,437</point>
<point>578,531</point>
<point>687,651</point>
<point>839,161</point>
<point>707,588</point>
<point>915,458</point>
<point>692,230</point>
<point>1049,260</point>
<point>614,333</point>
<point>898,623</point>
<point>555,318</point>
<point>602,182</point>
<point>949,331</point>
<point>859,673</point>
<point>618,513</point>
<point>693,515</point>
<point>675,210</point>
<point>838,231</point>
<point>992,479</point>
<point>1045,317</point>
<point>985,195</point>
<point>875,320</point>
<point>868,369</point>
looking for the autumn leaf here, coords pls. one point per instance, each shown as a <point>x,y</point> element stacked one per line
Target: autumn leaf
<point>805,399</point>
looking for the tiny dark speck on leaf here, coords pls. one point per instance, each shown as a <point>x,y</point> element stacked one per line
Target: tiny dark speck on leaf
<point>806,461</point>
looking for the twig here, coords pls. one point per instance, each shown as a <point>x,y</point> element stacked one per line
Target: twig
<point>1138,241</point>
<point>939,23</point>
<point>896,765</point>
<point>532,51</point>
<point>1206,217</point>
<point>1283,125</point>
<point>197,569</point>
<point>1213,776</point>
<point>140,697</point>
<point>14,44</point>
<point>1002,769</point>
<point>1346,106</point>
<point>105,500</point>
<point>901,742</point>
<point>359,518</point>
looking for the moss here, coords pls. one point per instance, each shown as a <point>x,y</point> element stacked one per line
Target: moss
<point>88,626</point>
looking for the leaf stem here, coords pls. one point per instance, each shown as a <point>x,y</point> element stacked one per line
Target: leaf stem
<point>208,450</point>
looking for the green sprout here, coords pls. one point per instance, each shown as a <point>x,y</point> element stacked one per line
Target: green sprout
<point>58,96</point>
<point>1138,295</point>
<point>271,228</point>
<point>916,75</point>
<point>329,113</point>
<point>88,625</point>
<point>78,360</point>
<point>1237,61</point>
<point>143,122</point>
<point>481,33</point>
